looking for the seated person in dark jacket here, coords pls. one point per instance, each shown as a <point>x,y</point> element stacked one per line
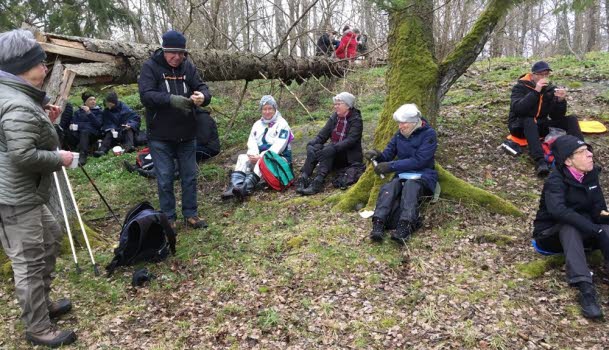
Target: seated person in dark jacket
<point>573,215</point>
<point>63,127</point>
<point>344,130</point>
<point>535,106</point>
<point>82,129</point>
<point>208,142</point>
<point>410,154</point>
<point>120,125</point>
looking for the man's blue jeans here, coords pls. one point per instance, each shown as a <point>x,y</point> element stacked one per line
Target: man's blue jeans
<point>163,154</point>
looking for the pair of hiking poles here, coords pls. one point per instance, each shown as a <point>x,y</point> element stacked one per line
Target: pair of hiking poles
<point>82,226</point>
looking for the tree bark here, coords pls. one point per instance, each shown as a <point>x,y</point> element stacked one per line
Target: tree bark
<point>415,76</point>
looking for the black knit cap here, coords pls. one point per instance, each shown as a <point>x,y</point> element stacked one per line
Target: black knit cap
<point>86,95</point>
<point>112,97</point>
<point>564,147</point>
<point>25,62</point>
<point>174,41</point>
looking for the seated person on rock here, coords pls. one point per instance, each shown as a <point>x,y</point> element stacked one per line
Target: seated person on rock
<point>120,125</point>
<point>573,216</point>
<point>270,132</point>
<point>344,131</point>
<point>83,128</point>
<point>535,106</point>
<point>410,155</point>
<point>208,142</point>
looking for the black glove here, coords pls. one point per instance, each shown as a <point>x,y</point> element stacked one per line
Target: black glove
<point>383,168</point>
<point>181,103</point>
<point>326,152</point>
<point>371,154</point>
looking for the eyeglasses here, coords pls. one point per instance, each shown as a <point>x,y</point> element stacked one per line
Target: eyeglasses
<point>581,151</point>
<point>543,74</point>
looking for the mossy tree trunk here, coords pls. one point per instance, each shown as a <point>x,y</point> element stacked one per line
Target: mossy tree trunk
<point>416,76</point>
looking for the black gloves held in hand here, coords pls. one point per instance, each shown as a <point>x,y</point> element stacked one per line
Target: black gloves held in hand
<point>181,103</point>
<point>371,154</point>
<point>383,168</point>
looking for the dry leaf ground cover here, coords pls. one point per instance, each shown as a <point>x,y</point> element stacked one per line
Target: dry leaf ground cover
<point>286,272</point>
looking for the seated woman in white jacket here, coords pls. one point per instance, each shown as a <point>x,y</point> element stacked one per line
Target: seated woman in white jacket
<point>271,132</point>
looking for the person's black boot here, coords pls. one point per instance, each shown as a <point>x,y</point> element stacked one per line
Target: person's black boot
<point>236,180</point>
<point>315,187</point>
<point>588,302</point>
<point>82,158</point>
<point>249,183</point>
<point>100,152</point>
<point>378,230</point>
<point>302,183</point>
<point>542,169</point>
<point>402,232</point>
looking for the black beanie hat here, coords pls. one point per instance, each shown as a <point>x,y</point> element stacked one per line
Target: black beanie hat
<point>564,147</point>
<point>25,62</point>
<point>174,41</point>
<point>86,95</point>
<point>112,97</point>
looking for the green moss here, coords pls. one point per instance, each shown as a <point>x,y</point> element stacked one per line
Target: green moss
<point>296,242</point>
<point>537,268</point>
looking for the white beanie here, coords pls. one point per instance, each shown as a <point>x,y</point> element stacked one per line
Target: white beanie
<point>408,113</point>
<point>345,97</point>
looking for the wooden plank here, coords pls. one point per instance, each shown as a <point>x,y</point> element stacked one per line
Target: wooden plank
<point>73,44</point>
<point>83,54</point>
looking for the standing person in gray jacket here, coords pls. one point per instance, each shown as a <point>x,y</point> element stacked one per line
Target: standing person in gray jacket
<point>29,233</point>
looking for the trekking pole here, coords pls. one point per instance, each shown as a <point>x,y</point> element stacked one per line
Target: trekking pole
<point>65,219</point>
<point>100,195</point>
<point>82,226</point>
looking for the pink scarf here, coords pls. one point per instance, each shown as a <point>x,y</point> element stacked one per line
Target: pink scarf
<point>577,175</point>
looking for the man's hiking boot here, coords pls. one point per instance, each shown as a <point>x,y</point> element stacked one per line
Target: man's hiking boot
<point>172,223</point>
<point>51,337</point>
<point>195,222</point>
<point>378,230</point>
<point>59,307</point>
<point>542,169</point>
<point>588,302</point>
<point>249,184</point>
<point>100,152</point>
<point>315,187</point>
<point>301,184</point>
<point>402,232</point>
<point>82,158</point>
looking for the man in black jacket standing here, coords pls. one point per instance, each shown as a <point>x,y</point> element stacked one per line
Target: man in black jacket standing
<point>171,90</point>
<point>535,106</point>
<point>573,215</point>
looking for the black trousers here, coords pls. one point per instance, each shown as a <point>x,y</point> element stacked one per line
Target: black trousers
<point>527,128</point>
<point>400,200</point>
<point>573,243</point>
<point>125,137</point>
<point>324,164</point>
<point>81,139</point>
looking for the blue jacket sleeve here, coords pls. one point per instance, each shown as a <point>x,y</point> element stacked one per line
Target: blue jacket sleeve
<point>131,118</point>
<point>97,119</point>
<point>150,95</point>
<point>390,151</point>
<point>423,155</point>
<point>66,116</point>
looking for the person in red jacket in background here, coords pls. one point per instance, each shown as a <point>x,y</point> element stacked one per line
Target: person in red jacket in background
<point>348,44</point>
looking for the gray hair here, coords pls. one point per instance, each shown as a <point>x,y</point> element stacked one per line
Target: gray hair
<point>15,44</point>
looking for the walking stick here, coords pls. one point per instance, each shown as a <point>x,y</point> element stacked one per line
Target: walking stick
<point>82,226</point>
<point>100,195</point>
<point>65,219</point>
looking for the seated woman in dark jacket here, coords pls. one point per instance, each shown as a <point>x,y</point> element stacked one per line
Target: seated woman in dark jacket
<point>344,130</point>
<point>573,215</point>
<point>82,129</point>
<point>414,146</point>
<point>120,124</point>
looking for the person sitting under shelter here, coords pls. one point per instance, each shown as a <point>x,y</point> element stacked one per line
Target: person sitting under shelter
<point>536,105</point>
<point>270,133</point>
<point>344,131</point>
<point>120,125</point>
<point>410,155</point>
<point>208,142</point>
<point>83,128</point>
<point>573,216</point>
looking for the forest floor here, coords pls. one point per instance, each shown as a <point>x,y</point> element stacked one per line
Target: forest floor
<point>282,271</point>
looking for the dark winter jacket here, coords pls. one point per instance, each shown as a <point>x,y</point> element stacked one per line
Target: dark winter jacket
<point>90,122</point>
<point>415,154</point>
<point>566,201</point>
<point>121,114</point>
<point>207,132</point>
<point>158,80</point>
<point>66,117</point>
<point>324,45</point>
<point>352,143</point>
<point>526,102</point>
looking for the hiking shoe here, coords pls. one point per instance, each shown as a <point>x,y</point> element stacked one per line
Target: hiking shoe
<point>51,337</point>
<point>59,307</point>
<point>228,193</point>
<point>172,223</point>
<point>315,187</point>
<point>301,184</point>
<point>588,302</point>
<point>402,232</point>
<point>195,222</point>
<point>130,149</point>
<point>82,159</point>
<point>542,169</point>
<point>100,152</point>
<point>378,230</point>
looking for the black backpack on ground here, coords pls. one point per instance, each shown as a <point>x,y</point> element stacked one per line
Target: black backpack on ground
<point>146,236</point>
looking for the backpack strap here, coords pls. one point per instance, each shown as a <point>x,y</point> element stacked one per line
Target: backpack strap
<point>169,232</point>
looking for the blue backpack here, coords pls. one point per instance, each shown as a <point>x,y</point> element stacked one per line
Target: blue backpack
<point>146,236</point>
